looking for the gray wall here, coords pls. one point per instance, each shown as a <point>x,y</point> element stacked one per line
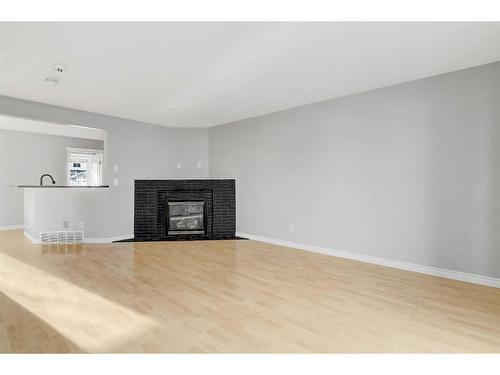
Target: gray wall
<point>409,172</point>
<point>140,150</point>
<point>24,157</point>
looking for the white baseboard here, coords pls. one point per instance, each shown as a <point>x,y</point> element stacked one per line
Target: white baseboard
<point>87,240</point>
<point>28,236</point>
<point>407,266</point>
<point>108,240</point>
<point>12,227</point>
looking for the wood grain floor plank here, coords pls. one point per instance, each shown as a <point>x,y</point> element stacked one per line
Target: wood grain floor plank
<point>229,297</point>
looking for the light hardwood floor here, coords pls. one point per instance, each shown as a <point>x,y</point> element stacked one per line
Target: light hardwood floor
<point>229,296</point>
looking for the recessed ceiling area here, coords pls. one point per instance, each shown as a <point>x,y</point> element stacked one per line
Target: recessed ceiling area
<point>204,74</point>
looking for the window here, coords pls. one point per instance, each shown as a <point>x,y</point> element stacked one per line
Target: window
<point>85,167</point>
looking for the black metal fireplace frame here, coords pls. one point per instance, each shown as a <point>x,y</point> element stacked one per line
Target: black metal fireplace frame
<point>167,216</point>
<point>176,195</point>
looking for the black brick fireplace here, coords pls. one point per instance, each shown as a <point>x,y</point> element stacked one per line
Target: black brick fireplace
<point>184,209</point>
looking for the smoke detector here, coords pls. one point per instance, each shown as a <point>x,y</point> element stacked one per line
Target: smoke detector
<point>52,80</point>
<point>59,68</point>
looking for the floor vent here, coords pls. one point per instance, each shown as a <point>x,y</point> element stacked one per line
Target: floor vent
<point>71,237</point>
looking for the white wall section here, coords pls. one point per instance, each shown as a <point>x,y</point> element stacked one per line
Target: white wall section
<point>139,150</point>
<point>24,157</point>
<point>84,209</point>
<point>409,173</point>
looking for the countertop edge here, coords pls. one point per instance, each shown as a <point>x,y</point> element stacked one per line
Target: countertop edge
<point>61,186</point>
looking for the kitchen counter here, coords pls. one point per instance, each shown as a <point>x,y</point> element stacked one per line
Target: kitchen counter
<point>55,208</point>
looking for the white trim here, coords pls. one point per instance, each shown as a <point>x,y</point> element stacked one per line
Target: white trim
<point>12,227</point>
<point>108,240</point>
<point>407,266</point>
<point>84,150</point>
<point>28,236</point>
<point>87,240</point>
<point>30,125</point>
<point>185,178</point>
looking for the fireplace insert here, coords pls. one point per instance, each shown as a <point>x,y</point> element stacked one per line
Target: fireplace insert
<point>186,217</point>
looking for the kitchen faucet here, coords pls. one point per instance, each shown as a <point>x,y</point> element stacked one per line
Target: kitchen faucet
<point>44,175</point>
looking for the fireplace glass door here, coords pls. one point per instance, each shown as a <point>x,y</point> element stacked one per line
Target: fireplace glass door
<point>186,217</point>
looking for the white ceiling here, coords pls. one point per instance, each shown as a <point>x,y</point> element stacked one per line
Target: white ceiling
<point>205,74</point>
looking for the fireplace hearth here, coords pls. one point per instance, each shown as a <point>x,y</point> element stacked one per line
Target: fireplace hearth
<point>184,209</point>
